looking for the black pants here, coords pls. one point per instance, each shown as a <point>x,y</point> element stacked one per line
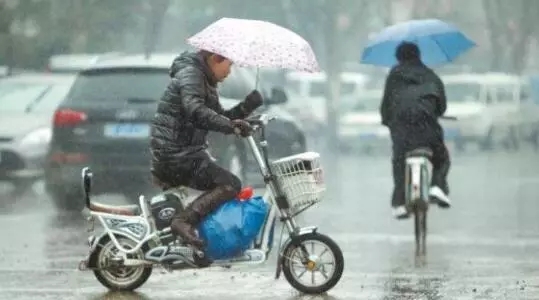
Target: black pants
<point>208,175</point>
<point>407,139</point>
<point>197,173</point>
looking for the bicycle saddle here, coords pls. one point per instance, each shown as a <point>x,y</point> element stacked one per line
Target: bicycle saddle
<point>420,152</point>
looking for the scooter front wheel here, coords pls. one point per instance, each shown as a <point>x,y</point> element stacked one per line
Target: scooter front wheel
<point>309,270</point>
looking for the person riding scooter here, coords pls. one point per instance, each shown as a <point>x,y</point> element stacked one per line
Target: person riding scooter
<point>188,109</point>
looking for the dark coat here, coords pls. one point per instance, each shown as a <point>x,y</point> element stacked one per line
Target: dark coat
<point>188,109</point>
<point>414,98</point>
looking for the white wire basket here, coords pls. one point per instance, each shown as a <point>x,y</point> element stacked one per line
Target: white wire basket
<point>301,179</point>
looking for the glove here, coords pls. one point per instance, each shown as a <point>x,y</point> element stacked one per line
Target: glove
<point>242,128</point>
<point>252,101</point>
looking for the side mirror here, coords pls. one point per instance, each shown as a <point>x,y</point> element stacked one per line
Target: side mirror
<point>278,96</point>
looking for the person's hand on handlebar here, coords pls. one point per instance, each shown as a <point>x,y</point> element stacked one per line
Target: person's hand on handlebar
<point>242,128</point>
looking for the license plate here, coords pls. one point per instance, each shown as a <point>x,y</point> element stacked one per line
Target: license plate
<point>127,130</point>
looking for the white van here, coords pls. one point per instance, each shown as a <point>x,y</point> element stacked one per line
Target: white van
<point>487,107</point>
<point>307,94</point>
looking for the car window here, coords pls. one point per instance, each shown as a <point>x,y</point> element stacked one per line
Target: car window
<point>50,100</point>
<point>525,92</point>
<point>293,87</point>
<point>462,92</point>
<point>505,93</point>
<point>118,85</point>
<point>317,89</point>
<point>367,104</point>
<point>348,88</point>
<point>31,97</point>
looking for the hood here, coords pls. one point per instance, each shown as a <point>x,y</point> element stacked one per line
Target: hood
<point>412,73</point>
<point>16,126</point>
<point>192,59</point>
<point>408,77</point>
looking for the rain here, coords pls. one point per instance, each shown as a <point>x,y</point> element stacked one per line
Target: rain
<point>60,105</point>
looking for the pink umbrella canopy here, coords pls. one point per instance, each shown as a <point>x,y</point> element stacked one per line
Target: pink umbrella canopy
<point>254,43</point>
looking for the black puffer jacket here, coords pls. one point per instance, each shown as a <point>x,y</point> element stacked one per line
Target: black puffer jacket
<point>188,109</point>
<point>414,96</point>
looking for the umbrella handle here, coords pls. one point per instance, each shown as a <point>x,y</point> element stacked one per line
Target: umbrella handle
<point>257,77</point>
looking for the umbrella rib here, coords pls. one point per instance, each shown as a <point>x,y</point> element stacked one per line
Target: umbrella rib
<point>441,48</point>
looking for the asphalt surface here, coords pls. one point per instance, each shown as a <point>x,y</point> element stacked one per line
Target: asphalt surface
<point>485,247</point>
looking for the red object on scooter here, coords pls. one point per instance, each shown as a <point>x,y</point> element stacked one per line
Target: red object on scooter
<point>246,193</point>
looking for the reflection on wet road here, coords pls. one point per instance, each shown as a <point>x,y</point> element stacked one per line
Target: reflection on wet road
<point>485,247</point>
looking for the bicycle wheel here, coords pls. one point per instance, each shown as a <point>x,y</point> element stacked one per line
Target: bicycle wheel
<point>420,212</point>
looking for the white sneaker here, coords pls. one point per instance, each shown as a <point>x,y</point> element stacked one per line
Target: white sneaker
<point>439,197</point>
<point>400,212</point>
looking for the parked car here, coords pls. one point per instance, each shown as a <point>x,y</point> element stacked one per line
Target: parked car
<point>27,104</point>
<point>123,93</point>
<point>308,96</point>
<point>360,125</point>
<point>488,108</point>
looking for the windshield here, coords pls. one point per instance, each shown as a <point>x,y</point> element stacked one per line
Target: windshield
<point>462,92</point>
<point>31,97</point>
<point>119,85</point>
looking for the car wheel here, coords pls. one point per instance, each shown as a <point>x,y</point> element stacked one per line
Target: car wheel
<point>512,142</point>
<point>487,144</point>
<point>21,187</point>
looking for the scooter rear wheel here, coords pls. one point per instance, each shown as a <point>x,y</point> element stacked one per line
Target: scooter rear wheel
<point>120,278</point>
<point>301,259</point>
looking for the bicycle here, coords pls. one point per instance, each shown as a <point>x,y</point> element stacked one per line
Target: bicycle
<point>417,180</point>
<point>136,238</point>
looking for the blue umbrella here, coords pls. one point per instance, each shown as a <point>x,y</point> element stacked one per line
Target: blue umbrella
<point>439,42</point>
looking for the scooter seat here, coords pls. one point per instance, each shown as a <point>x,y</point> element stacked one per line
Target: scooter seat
<point>123,210</point>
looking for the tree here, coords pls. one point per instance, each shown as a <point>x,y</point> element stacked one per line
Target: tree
<point>328,25</point>
<point>511,26</point>
<point>156,14</point>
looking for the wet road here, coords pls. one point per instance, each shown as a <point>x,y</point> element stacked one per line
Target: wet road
<point>485,247</point>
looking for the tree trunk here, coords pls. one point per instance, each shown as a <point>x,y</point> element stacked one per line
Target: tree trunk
<point>493,15</point>
<point>333,70</point>
<point>157,11</point>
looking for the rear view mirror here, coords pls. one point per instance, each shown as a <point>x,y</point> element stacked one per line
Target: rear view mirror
<point>278,96</point>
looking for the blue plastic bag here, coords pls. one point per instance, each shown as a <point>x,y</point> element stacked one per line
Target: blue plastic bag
<point>232,228</point>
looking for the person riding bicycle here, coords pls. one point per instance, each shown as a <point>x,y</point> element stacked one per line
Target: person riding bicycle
<point>188,109</point>
<point>414,98</point>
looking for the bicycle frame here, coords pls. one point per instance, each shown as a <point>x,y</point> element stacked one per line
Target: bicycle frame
<point>416,188</point>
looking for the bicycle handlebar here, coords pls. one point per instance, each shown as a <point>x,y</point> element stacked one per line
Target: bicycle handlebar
<point>260,120</point>
<point>448,118</point>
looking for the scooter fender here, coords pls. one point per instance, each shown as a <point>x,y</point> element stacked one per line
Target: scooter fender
<point>294,237</point>
<point>100,241</point>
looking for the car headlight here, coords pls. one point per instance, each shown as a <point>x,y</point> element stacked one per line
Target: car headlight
<point>38,137</point>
